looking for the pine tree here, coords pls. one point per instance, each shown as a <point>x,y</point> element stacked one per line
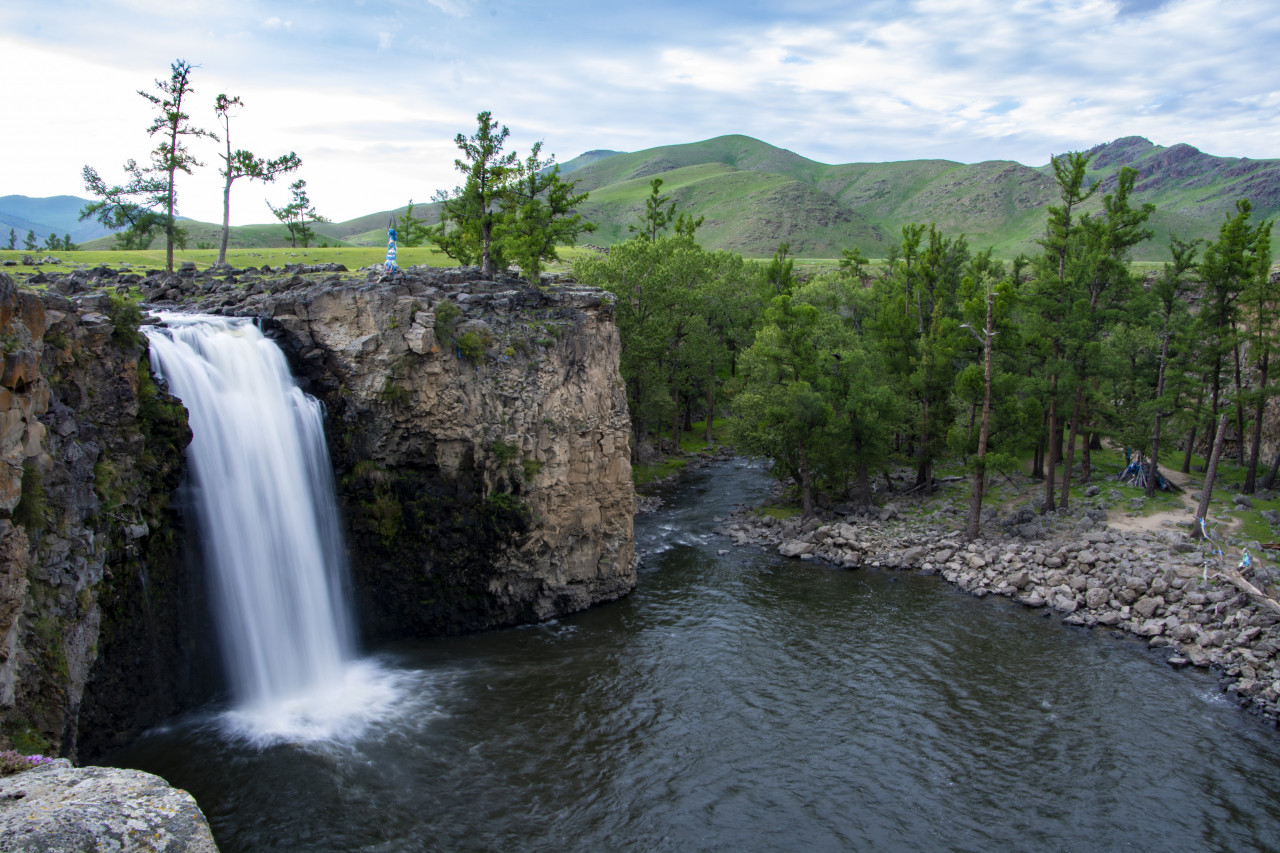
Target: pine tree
<point>469,215</point>
<point>148,200</point>
<point>243,164</point>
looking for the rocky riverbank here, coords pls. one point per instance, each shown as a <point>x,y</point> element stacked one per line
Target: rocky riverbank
<point>1150,585</point>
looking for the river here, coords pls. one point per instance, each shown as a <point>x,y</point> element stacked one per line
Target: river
<point>749,702</point>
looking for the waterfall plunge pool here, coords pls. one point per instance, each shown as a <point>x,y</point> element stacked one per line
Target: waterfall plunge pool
<point>748,702</point>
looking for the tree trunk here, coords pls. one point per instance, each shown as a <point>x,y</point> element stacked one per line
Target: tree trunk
<point>711,401</point>
<point>1191,444</point>
<point>1071,447</point>
<point>169,226</point>
<point>1255,442</point>
<point>675,420</point>
<point>863,479</point>
<point>1154,466</point>
<point>1215,388</point>
<point>806,485</point>
<point>1202,510</point>
<point>226,210</point>
<point>1086,453</point>
<point>922,471</point>
<point>1270,482</point>
<point>1239,410</point>
<point>486,240</point>
<point>974,524</point>
<point>1051,463</point>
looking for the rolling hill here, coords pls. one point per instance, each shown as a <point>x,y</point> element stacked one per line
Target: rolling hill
<point>59,214</point>
<point>754,195</point>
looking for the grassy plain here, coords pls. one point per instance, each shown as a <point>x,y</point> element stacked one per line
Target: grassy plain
<point>351,257</point>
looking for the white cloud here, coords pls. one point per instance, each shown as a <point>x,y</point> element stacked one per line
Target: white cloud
<point>455,8</point>
<point>963,79</point>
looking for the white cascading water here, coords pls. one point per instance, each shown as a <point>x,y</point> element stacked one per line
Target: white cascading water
<point>262,494</point>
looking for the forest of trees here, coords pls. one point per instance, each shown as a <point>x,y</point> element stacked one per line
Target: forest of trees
<point>945,350</point>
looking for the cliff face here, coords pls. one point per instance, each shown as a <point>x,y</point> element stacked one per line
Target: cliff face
<point>480,436</point>
<point>479,433</point>
<point>96,610</point>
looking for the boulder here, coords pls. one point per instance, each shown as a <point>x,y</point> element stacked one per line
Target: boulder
<point>60,807</point>
<point>795,548</point>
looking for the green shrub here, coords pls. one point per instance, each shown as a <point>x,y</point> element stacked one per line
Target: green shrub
<point>126,317</point>
<point>387,516</point>
<point>499,504</point>
<point>532,467</point>
<point>504,452</point>
<point>447,315</point>
<point>393,393</point>
<point>472,346</point>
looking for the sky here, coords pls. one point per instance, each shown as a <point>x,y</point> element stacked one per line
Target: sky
<point>370,95</point>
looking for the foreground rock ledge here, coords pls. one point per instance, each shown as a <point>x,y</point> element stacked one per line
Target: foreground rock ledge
<point>59,808</point>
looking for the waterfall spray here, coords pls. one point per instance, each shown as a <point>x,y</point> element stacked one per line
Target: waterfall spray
<point>262,496</point>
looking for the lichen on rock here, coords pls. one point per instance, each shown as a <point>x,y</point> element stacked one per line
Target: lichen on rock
<point>57,807</point>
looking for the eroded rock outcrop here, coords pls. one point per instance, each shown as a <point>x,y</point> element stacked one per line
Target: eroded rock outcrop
<point>480,435</point>
<point>479,431</point>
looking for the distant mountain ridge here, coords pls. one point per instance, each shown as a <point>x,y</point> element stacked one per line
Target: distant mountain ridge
<point>754,196</point>
<point>59,214</point>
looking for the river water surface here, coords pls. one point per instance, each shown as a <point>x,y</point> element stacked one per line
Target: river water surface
<point>748,702</point>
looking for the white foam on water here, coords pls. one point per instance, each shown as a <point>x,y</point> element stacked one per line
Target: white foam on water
<point>341,710</point>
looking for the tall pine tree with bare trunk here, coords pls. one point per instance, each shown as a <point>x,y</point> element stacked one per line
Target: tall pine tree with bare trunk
<point>242,164</point>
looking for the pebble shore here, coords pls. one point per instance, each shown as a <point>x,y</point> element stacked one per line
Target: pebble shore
<point>1149,584</point>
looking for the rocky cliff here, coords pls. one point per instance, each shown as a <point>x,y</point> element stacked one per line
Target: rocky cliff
<point>97,607</point>
<point>479,431</point>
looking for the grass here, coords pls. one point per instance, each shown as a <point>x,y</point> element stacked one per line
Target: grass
<point>692,443</point>
<point>647,475</point>
<point>140,260</point>
<point>782,513</point>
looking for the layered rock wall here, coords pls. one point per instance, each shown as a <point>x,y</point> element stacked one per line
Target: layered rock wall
<point>98,614</point>
<point>480,436</point>
<point>479,432</point>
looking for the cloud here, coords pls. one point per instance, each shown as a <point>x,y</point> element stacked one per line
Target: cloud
<point>965,80</point>
<point>455,8</point>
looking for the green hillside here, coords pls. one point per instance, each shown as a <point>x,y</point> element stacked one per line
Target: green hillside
<point>754,196</point>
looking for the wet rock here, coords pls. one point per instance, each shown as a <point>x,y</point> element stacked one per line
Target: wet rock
<point>795,548</point>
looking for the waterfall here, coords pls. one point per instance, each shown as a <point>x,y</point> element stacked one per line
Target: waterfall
<point>262,495</point>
